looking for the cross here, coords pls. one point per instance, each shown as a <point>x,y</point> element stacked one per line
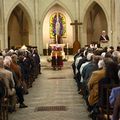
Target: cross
<point>76,23</point>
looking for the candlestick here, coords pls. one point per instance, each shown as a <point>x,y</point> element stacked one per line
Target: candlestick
<point>47,49</point>
<point>67,51</point>
<point>56,59</point>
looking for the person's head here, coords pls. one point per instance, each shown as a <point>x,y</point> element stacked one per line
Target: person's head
<point>111,69</point>
<point>103,32</point>
<point>101,64</point>
<point>96,59</point>
<point>90,56</point>
<point>118,48</point>
<point>7,61</point>
<point>14,58</point>
<point>105,49</point>
<point>108,55</point>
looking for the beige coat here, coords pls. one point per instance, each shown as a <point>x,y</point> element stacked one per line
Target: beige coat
<point>93,85</point>
<point>8,79</point>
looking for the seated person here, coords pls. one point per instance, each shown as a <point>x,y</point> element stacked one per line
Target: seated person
<point>116,111</point>
<point>114,93</point>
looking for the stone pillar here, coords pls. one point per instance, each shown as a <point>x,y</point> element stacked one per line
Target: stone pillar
<point>37,26</point>
<point>2,26</point>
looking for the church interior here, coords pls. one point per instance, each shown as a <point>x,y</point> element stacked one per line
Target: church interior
<point>59,59</point>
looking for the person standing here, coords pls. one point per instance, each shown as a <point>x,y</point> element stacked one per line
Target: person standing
<point>104,39</point>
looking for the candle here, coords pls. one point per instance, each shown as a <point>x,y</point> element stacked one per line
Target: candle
<point>56,38</point>
<point>67,45</point>
<point>56,55</point>
<point>47,46</point>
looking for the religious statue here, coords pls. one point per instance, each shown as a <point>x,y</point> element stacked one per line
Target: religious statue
<point>57,27</point>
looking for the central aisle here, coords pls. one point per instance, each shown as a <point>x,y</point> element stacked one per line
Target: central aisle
<point>53,89</point>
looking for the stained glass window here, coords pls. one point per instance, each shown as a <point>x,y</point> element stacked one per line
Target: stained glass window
<point>62,21</point>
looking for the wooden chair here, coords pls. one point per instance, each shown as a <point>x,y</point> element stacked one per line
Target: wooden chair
<point>104,93</point>
<point>4,106</point>
<point>4,109</point>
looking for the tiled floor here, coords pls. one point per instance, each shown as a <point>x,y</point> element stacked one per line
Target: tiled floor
<point>48,91</point>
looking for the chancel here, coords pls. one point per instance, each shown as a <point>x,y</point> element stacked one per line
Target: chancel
<point>57,48</point>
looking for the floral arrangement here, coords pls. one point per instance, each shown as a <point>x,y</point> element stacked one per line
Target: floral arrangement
<point>62,21</point>
<point>57,48</point>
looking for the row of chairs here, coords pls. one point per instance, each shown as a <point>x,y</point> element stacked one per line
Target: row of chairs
<point>3,108</point>
<point>4,99</point>
<point>104,106</point>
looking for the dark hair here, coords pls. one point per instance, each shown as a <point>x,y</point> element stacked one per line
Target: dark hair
<point>111,70</point>
<point>111,47</point>
<point>105,49</point>
<point>108,54</point>
<point>118,48</point>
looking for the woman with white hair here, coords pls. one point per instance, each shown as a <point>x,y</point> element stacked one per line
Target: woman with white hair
<point>10,85</point>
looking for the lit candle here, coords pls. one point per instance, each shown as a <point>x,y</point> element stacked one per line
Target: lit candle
<point>67,45</point>
<point>56,38</point>
<point>47,46</point>
<point>56,55</point>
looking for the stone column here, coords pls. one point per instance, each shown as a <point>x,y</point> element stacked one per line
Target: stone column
<point>77,16</point>
<point>37,26</point>
<point>2,26</point>
<point>112,13</point>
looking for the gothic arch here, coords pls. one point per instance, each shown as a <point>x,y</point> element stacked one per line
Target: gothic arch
<point>94,13</point>
<point>88,6</point>
<point>69,37</point>
<point>28,15</point>
<point>53,4</point>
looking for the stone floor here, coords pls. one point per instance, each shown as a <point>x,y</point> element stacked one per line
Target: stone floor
<point>53,88</point>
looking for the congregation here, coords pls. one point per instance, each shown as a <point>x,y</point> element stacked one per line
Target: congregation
<point>18,70</point>
<point>97,74</point>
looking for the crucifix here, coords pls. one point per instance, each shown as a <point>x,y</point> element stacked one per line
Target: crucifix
<point>76,44</point>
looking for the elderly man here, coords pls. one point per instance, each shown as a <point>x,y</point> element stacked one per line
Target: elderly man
<point>104,39</point>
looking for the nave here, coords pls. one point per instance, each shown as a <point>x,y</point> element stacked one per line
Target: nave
<point>53,88</point>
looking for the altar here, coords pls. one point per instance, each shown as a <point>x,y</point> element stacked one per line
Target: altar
<point>59,45</point>
<point>57,55</point>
